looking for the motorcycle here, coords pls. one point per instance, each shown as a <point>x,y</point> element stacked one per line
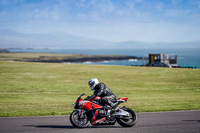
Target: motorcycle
<point>89,111</point>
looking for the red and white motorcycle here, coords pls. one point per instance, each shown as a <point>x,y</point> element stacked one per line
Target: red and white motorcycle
<point>91,112</point>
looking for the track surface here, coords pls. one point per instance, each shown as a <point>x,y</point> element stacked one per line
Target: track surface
<point>163,122</point>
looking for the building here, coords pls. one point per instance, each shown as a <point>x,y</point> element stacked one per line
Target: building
<point>162,60</point>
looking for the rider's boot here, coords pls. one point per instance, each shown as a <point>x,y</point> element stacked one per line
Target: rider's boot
<point>114,105</point>
<point>114,108</point>
<point>108,109</point>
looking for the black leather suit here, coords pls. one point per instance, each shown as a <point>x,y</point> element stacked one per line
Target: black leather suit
<point>107,96</point>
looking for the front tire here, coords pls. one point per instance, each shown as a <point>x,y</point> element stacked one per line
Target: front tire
<point>78,122</point>
<point>128,121</point>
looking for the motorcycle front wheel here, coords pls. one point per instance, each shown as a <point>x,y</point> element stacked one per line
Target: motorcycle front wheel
<point>129,121</point>
<point>77,121</point>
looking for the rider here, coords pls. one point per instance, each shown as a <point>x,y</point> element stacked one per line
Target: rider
<point>101,90</point>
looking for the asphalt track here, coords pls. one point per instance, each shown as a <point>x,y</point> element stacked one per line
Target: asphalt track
<point>162,122</point>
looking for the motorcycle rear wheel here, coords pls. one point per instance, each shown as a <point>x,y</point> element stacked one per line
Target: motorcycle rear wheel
<point>128,121</point>
<point>78,122</point>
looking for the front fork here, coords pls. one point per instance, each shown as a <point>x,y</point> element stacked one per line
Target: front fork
<point>92,115</point>
<point>81,112</point>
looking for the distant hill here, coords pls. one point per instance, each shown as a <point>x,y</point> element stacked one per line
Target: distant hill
<point>12,39</point>
<point>136,44</point>
<point>4,51</point>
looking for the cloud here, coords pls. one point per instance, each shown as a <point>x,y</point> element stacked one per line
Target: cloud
<point>8,3</point>
<point>198,4</point>
<point>177,13</point>
<point>159,5</point>
<point>3,13</point>
<point>175,2</point>
<point>116,20</point>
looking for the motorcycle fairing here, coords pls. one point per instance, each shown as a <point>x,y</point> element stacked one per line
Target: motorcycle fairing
<point>92,114</point>
<point>122,99</point>
<point>92,108</point>
<point>99,121</point>
<point>87,105</point>
<point>96,98</point>
<point>95,115</point>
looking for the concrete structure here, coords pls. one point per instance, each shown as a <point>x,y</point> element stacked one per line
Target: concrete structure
<point>162,60</point>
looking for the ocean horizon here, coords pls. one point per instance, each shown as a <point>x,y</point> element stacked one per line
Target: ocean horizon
<point>185,56</point>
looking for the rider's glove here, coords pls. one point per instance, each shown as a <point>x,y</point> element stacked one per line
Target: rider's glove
<point>88,97</point>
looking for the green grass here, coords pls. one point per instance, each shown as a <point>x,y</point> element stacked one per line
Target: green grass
<point>34,89</point>
<point>29,57</point>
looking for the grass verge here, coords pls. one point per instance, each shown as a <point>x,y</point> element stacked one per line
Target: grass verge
<point>35,89</point>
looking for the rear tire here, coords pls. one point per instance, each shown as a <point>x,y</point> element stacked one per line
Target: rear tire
<point>78,122</point>
<point>128,121</point>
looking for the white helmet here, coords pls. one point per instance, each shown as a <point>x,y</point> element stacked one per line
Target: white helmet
<point>93,82</point>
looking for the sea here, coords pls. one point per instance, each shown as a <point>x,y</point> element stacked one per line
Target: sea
<point>185,56</point>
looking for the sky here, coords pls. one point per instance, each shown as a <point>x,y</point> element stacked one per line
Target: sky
<point>111,20</point>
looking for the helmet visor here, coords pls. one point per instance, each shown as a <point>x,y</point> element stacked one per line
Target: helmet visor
<point>91,84</point>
